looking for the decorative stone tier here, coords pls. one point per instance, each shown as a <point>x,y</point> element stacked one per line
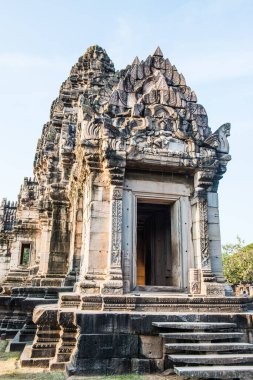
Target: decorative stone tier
<point>161,303</point>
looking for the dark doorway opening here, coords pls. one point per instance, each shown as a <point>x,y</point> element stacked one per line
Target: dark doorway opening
<point>154,259</point>
<point>25,254</point>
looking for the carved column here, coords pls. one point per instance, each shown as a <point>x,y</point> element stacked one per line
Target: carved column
<point>202,278</point>
<point>44,246</point>
<point>95,234</point>
<point>76,238</point>
<point>45,218</point>
<point>200,238</point>
<point>114,283</point>
<point>214,236</point>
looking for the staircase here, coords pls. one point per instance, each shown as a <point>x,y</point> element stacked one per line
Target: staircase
<point>206,350</point>
<point>16,276</point>
<point>10,324</point>
<point>23,337</point>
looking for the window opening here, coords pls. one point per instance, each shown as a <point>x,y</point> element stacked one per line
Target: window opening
<point>25,254</point>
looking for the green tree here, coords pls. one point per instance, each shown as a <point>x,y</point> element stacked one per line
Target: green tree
<point>238,262</point>
<point>229,249</point>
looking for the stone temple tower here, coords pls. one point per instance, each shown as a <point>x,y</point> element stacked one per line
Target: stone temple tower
<point>125,190</point>
<point>123,210</point>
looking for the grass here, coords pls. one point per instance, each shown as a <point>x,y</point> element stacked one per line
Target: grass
<point>9,368</point>
<point>117,377</point>
<point>4,356</point>
<point>125,377</point>
<point>33,376</point>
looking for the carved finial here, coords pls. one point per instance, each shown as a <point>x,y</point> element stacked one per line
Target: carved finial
<point>136,61</point>
<point>218,139</point>
<point>158,52</point>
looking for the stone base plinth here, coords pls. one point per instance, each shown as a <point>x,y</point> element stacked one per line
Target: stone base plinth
<point>100,334</point>
<point>111,343</point>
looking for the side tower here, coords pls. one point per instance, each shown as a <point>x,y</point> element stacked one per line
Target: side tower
<point>20,237</point>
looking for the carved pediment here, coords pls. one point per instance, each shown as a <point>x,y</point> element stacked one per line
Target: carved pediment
<point>154,112</point>
<point>155,83</point>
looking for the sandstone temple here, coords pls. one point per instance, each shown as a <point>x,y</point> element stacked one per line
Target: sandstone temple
<point>110,260</point>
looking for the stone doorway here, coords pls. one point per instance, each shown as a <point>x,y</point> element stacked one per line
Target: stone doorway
<point>154,254</point>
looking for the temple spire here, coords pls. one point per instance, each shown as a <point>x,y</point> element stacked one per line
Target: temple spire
<point>158,52</point>
<point>136,61</point>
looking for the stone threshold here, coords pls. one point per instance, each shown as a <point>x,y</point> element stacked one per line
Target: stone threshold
<point>159,289</point>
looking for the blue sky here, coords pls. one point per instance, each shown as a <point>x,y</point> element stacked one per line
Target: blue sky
<point>209,41</point>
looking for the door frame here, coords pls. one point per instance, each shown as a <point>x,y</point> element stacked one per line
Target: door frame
<point>180,237</point>
<point>156,243</point>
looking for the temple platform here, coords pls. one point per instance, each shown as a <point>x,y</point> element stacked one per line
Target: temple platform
<point>109,335</point>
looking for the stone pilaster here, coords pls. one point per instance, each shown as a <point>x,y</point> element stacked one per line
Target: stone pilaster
<point>114,283</point>
<point>214,236</point>
<point>44,246</point>
<point>59,239</point>
<point>202,276</point>
<point>76,239</point>
<point>95,234</point>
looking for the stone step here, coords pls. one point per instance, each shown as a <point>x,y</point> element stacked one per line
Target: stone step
<point>19,270</point>
<point>36,362</point>
<point>15,279</point>
<point>216,359</point>
<point>27,361</point>
<point>217,372</point>
<point>57,366</point>
<point>201,335</point>
<point>209,346</point>
<point>194,325</point>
